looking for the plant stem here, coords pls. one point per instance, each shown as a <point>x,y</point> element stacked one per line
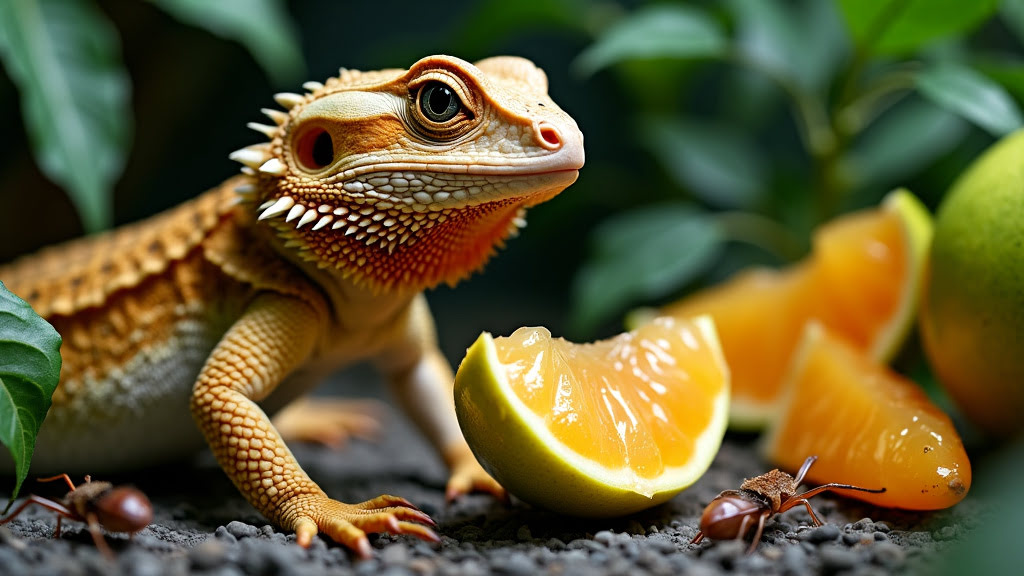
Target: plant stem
<point>761,231</point>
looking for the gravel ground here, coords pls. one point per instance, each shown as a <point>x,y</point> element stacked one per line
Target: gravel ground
<point>202,526</point>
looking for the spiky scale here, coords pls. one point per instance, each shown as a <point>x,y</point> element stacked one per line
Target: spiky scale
<point>266,130</point>
<point>282,205</point>
<point>295,212</point>
<point>277,116</point>
<point>289,100</point>
<point>308,217</point>
<point>274,167</point>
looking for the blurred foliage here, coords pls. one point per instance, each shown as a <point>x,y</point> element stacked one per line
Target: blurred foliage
<point>65,57</point>
<point>878,91</point>
<point>753,121</point>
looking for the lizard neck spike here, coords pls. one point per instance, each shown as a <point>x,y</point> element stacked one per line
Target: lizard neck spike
<point>277,116</point>
<point>289,100</point>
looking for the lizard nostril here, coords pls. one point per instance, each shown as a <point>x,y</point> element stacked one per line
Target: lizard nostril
<point>549,136</point>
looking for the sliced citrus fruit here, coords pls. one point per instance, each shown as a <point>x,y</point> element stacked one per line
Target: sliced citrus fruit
<point>868,426</point>
<point>599,429</point>
<point>863,281</point>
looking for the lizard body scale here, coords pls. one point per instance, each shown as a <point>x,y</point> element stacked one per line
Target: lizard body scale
<point>192,326</point>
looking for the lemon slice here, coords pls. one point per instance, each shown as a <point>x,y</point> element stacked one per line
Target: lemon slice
<point>600,429</point>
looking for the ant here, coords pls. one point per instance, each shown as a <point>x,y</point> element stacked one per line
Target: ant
<point>98,504</point>
<point>733,512</point>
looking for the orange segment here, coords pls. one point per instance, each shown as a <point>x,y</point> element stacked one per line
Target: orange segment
<point>755,316</point>
<point>868,426</point>
<point>862,281</point>
<point>597,429</point>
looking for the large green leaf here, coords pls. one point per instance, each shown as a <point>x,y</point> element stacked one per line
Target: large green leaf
<point>776,36</point>
<point>642,254</point>
<point>972,95</point>
<point>262,26</point>
<point>900,27</point>
<point>65,58</point>
<point>719,164</point>
<point>657,31</point>
<point>29,372</point>
<point>900,143</point>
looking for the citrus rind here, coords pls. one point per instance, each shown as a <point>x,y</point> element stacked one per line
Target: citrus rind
<point>917,228</point>
<point>516,448</point>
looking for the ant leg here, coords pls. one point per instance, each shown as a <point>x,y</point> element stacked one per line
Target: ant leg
<point>45,503</point>
<point>744,526</point>
<point>803,469</point>
<point>835,486</point>
<point>97,535</point>
<point>757,534</point>
<point>794,501</point>
<point>56,531</point>
<point>65,477</point>
<point>698,537</point>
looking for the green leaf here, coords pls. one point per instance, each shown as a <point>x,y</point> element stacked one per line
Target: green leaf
<point>968,93</point>
<point>719,164</point>
<point>900,143</point>
<point>264,27</point>
<point>1008,72</point>
<point>1012,14</point>
<point>488,23</point>
<point>657,31</point>
<point>642,254</point>
<point>65,59</point>
<point>776,35</point>
<point>900,27</point>
<point>29,372</point>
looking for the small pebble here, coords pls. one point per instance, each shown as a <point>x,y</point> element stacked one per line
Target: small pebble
<point>514,565</point>
<point>882,527</point>
<point>605,537</point>
<point>222,533</point>
<point>208,554</point>
<point>836,559</point>
<point>524,534</point>
<point>865,524</point>
<point>881,537</point>
<point>825,533</point>
<point>394,554</point>
<point>888,555</point>
<point>794,560</point>
<point>242,530</point>
<point>555,544</point>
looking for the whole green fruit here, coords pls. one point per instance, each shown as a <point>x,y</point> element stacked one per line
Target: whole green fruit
<point>972,315</point>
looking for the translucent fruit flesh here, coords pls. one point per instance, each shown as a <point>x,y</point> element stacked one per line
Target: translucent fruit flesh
<point>597,429</point>
<point>862,281</point>
<point>868,426</point>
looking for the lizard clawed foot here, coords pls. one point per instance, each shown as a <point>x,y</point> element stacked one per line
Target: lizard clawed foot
<point>329,421</point>
<point>348,524</point>
<point>468,476</point>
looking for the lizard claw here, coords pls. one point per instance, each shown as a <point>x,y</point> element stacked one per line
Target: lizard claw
<point>348,524</point>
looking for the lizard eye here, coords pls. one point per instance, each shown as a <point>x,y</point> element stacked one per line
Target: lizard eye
<point>315,149</point>
<point>438,102</point>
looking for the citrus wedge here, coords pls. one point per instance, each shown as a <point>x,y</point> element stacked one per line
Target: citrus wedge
<point>868,426</point>
<point>600,429</point>
<point>862,280</point>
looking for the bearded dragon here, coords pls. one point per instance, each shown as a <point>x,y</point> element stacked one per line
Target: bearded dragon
<point>198,323</point>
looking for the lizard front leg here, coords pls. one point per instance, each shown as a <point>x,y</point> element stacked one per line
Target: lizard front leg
<point>275,335</point>
<point>422,382</point>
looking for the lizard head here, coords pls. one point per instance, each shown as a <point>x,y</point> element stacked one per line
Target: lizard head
<point>404,179</point>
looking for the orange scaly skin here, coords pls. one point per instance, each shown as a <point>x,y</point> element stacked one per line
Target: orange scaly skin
<point>216,314</point>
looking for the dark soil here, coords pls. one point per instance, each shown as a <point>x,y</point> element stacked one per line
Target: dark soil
<point>203,526</point>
